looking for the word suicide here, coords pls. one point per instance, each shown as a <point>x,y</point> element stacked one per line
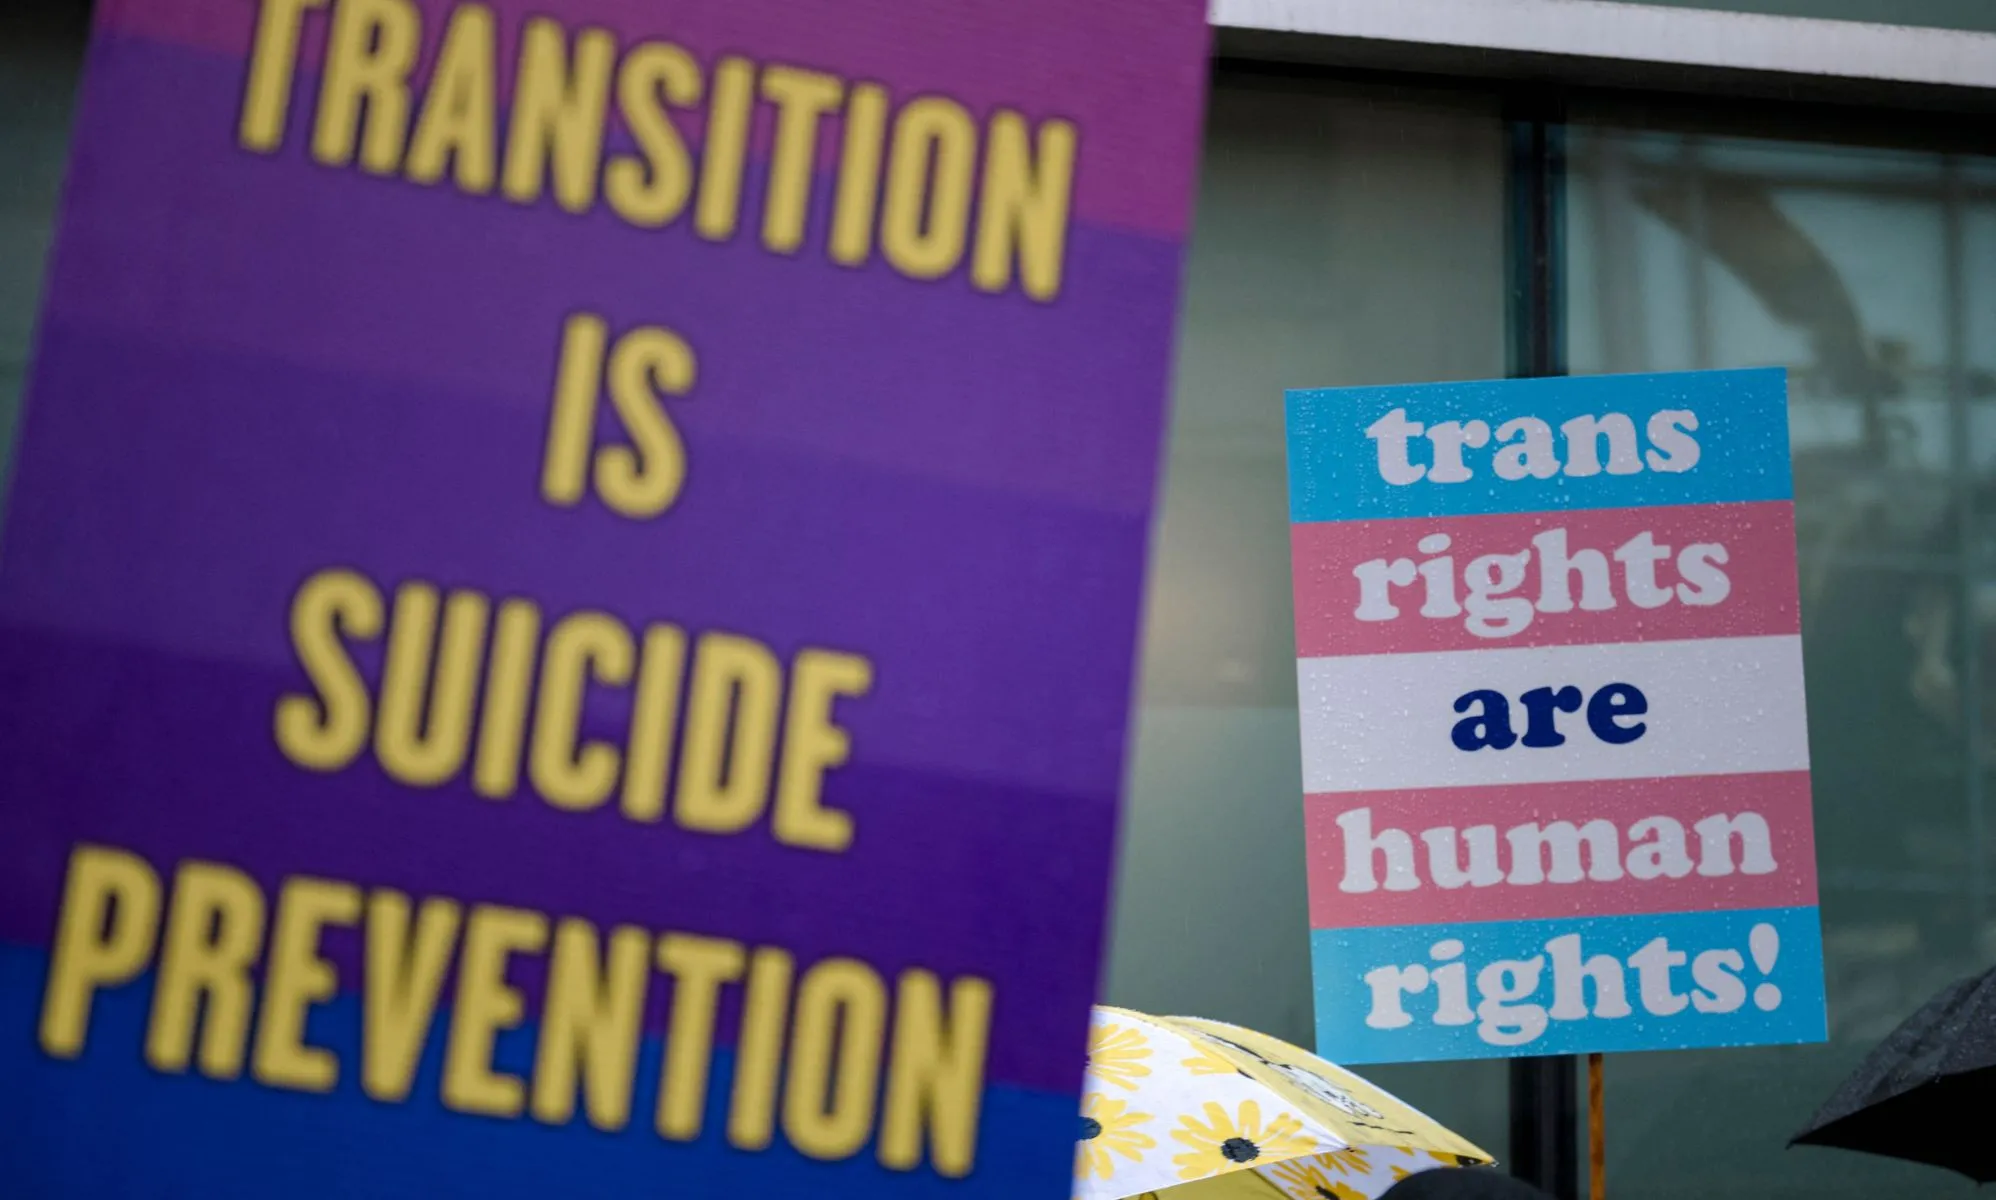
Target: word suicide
<point>1555,751</point>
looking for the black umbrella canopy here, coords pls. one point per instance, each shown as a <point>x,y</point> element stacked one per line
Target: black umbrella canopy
<point>1928,1091</point>
<point>1464,1183</point>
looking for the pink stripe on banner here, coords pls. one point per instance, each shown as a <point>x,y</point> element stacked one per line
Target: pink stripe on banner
<point>1696,594</point>
<point>1129,73</point>
<point>1761,855</point>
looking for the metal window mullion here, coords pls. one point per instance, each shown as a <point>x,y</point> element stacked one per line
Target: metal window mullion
<point>1544,1091</point>
<point>1955,348</point>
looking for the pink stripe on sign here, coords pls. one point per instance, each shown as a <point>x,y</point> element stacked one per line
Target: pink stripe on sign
<point>1619,574</point>
<point>1129,73</point>
<point>1685,844</point>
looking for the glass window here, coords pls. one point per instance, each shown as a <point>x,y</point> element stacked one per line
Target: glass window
<point>40,50</point>
<point>1945,14</point>
<point>1871,275</point>
<point>1343,236</point>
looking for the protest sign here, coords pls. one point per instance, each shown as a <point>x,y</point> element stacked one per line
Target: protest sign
<point>569,594</point>
<point>1555,751</point>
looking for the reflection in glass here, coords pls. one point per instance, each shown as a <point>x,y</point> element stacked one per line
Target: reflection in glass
<point>40,46</point>
<point>1862,272</point>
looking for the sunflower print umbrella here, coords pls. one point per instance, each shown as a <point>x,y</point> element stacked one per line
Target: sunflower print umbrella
<point>1199,1110</point>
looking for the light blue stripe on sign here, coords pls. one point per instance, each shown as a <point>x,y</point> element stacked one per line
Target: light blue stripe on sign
<point>1669,981</point>
<point>1529,445</point>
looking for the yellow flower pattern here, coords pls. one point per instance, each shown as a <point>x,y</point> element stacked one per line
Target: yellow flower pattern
<point>1257,1112</point>
<point>1109,1128</point>
<point>1232,1142</point>
<point>1116,1054</point>
<point>1307,1177</point>
<point>1208,1061</point>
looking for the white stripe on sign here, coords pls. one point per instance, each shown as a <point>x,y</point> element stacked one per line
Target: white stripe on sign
<point>1640,710</point>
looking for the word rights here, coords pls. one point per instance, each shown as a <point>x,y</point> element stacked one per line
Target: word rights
<point>1555,754</point>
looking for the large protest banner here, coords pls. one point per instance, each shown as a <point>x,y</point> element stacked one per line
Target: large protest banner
<point>1555,751</point>
<point>569,593</point>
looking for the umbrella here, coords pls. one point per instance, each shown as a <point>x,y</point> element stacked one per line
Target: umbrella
<point>1926,1091</point>
<point>1211,1111</point>
<point>1469,1183</point>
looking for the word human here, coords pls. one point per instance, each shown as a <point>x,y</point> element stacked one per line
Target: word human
<point>1525,448</point>
<point>1507,1011</point>
<point>932,183</point>
<point>856,1058</point>
<point>1557,852</point>
<point>1490,597</point>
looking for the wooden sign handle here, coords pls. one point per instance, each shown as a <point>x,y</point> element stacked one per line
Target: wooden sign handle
<point>1597,1135</point>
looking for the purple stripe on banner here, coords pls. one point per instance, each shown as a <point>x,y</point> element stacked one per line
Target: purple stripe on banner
<point>1105,60</point>
<point>191,528</point>
<point>397,281</point>
<point>947,873</point>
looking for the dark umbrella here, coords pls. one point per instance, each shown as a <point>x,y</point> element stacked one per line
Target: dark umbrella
<point>1926,1092</point>
<point>1462,1183</point>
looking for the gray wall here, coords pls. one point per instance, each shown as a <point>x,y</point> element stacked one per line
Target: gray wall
<point>1341,238</point>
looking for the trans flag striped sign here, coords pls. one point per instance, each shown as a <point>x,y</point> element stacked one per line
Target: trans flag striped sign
<point>1555,750</point>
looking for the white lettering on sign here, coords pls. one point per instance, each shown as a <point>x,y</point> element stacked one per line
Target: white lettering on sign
<point>1492,592</point>
<point>1509,1009</point>
<point>1529,448</point>
<point>1528,855</point>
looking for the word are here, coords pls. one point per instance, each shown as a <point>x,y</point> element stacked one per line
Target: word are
<point>851,1064</point>
<point>1489,601</point>
<point>461,675</point>
<point>1526,449</point>
<point>1506,1012</point>
<point>1554,852</point>
<point>1611,714</point>
<point>922,176</point>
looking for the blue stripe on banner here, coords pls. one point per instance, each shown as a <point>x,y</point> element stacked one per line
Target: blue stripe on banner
<point>1670,981</point>
<point>1648,454</point>
<point>107,1125</point>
